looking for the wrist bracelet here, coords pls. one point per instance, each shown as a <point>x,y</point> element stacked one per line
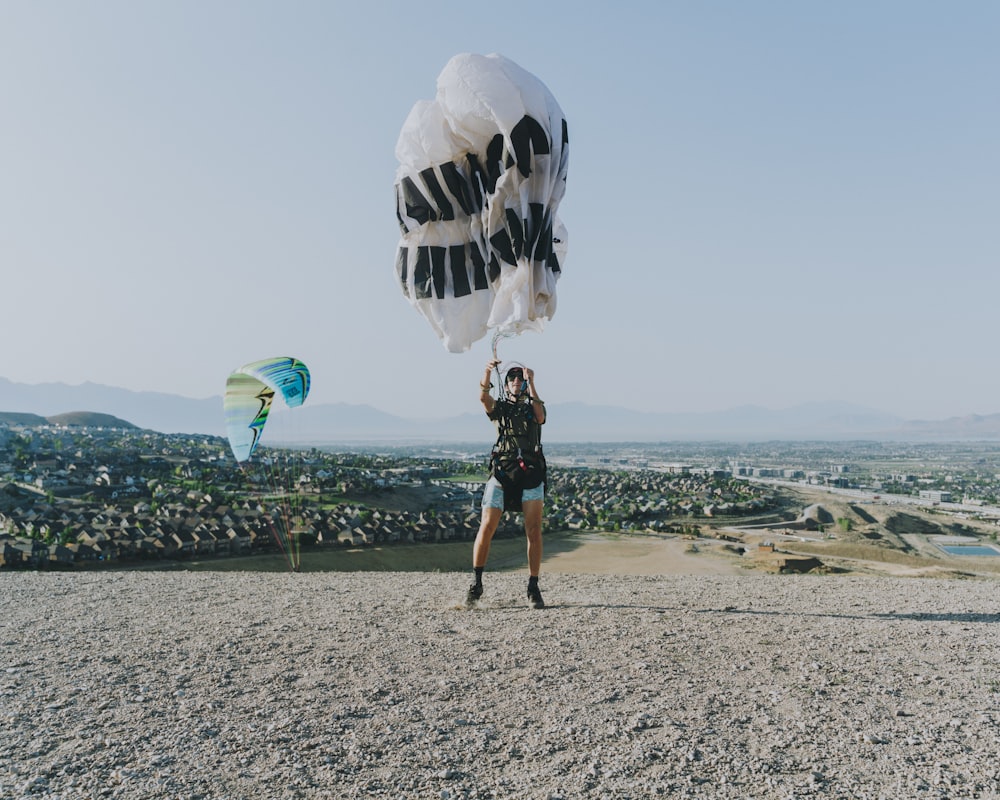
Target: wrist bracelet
<point>486,386</point>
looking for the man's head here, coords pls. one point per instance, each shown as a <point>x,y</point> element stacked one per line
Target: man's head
<point>515,373</point>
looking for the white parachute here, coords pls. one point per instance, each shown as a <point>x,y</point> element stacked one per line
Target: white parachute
<point>482,169</point>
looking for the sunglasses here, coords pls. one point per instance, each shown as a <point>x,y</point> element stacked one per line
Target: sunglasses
<point>512,375</point>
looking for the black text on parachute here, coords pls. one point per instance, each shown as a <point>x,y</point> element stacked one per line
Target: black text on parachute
<point>482,170</point>
<point>250,391</point>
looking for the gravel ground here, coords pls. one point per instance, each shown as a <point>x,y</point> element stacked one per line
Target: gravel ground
<point>351,685</point>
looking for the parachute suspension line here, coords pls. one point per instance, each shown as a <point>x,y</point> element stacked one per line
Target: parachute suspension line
<point>253,477</point>
<point>284,488</point>
<point>501,384</point>
<point>496,340</point>
<point>293,508</point>
<point>273,497</point>
<point>277,480</point>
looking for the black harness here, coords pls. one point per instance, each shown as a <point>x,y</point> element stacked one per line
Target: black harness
<point>516,467</point>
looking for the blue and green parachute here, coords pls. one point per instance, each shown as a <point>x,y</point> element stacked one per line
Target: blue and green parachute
<point>249,392</point>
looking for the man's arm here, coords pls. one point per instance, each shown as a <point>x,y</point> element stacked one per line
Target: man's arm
<point>537,406</point>
<point>484,388</point>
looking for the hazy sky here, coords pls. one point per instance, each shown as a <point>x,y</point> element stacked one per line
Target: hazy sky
<point>768,202</point>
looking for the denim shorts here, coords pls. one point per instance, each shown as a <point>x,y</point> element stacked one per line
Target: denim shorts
<point>493,494</point>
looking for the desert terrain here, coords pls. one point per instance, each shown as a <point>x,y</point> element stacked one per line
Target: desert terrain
<point>844,536</point>
<point>284,686</point>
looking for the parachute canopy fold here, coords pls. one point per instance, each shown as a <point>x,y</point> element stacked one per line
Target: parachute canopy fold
<point>482,170</point>
<point>249,392</point>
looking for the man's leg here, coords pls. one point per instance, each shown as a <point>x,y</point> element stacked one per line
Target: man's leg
<point>487,527</point>
<point>532,510</point>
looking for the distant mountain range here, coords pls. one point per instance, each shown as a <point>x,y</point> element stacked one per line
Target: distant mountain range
<point>568,422</point>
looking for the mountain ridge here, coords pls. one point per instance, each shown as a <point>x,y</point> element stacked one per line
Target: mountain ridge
<point>573,421</point>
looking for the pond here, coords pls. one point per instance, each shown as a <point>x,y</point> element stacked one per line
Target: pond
<point>969,550</point>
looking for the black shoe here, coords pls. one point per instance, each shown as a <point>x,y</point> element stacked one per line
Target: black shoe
<point>475,592</point>
<point>535,597</point>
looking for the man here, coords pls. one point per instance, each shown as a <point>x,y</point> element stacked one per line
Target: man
<point>517,462</point>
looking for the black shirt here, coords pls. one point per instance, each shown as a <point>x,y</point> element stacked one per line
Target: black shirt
<point>516,425</point>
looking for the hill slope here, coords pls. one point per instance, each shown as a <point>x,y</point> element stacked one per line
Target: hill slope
<point>365,685</point>
<point>90,419</point>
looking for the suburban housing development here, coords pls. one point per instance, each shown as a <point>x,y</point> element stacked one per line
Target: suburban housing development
<point>72,495</point>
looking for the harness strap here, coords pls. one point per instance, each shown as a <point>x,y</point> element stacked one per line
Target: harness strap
<point>505,429</point>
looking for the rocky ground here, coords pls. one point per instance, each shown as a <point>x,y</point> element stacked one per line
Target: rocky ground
<point>355,685</point>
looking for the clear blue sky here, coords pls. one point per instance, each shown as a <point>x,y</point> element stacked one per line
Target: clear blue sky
<point>769,203</point>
